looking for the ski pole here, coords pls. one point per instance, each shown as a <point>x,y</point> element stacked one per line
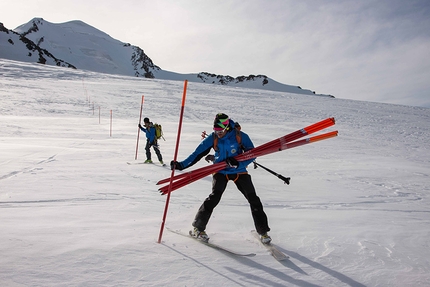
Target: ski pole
<point>285,179</point>
<point>138,129</point>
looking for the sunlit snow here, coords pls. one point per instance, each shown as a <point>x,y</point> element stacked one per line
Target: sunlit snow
<point>74,213</point>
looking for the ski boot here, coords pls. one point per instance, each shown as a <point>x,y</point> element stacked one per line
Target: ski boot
<point>200,235</point>
<point>148,161</point>
<point>265,239</point>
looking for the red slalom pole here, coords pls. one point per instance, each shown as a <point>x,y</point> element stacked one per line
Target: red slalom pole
<point>274,145</point>
<point>174,158</point>
<point>197,174</point>
<point>138,129</point>
<point>192,177</point>
<point>218,166</point>
<point>310,140</point>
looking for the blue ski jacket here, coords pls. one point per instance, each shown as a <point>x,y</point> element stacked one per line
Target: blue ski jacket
<point>150,133</point>
<point>227,146</point>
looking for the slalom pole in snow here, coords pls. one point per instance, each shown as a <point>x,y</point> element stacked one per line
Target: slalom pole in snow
<point>174,158</point>
<point>138,129</point>
<point>280,176</point>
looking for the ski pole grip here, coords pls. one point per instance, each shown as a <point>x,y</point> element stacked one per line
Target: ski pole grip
<point>285,179</point>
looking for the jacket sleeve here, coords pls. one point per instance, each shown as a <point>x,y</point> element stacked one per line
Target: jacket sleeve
<point>202,149</point>
<point>247,145</point>
<point>150,133</point>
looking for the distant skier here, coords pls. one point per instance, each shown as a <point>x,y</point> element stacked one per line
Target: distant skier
<point>151,141</point>
<point>227,142</point>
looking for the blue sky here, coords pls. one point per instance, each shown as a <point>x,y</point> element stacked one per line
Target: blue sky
<point>363,50</point>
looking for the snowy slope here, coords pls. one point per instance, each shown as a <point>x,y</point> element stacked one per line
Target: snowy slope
<point>88,48</point>
<point>16,47</point>
<point>74,213</point>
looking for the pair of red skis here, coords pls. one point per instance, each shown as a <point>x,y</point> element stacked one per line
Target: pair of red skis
<point>286,142</point>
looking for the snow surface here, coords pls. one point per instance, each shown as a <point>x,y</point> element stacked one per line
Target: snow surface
<point>74,213</point>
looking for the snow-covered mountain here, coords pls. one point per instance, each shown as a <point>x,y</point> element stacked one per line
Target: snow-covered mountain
<point>78,45</point>
<point>18,47</point>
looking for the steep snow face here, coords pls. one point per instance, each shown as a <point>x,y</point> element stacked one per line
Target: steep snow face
<point>88,48</point>
<point>18,47</point>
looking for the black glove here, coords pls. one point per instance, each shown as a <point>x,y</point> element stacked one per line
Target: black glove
<point>176,165</point>
<point>210,157</point>
<point>232,162</point>
<point>140,126</point>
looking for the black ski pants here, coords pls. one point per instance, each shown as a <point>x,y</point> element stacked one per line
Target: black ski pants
<point>244,184</point>
<point>156,149</point>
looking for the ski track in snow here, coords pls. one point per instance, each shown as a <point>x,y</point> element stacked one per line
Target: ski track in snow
<point>74,213</point>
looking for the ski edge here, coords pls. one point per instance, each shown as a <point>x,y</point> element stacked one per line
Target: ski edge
<point>212,245</point>
<point>274,251</point>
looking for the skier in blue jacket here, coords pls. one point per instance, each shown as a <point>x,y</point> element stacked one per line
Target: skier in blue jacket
<point>151,141</point>
<point>227,142</point>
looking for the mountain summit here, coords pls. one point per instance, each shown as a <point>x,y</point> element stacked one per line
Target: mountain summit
<point>76,44</point>
<point>88,48</point>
